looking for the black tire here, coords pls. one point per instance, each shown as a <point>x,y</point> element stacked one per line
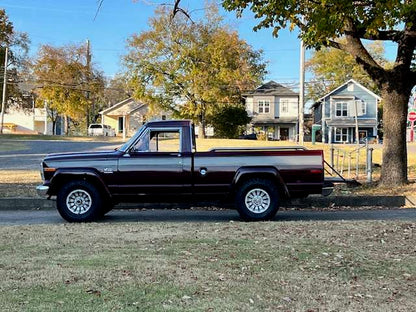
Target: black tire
<point>79,201</point>
<point>257,200</point>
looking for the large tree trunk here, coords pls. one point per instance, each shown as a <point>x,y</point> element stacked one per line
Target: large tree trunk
<point>66,125</point>
<point>201,129</point>
<point>395,98</point>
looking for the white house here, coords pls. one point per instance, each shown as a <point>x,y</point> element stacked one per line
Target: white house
<point>27,121</point>
<point>128,116</point>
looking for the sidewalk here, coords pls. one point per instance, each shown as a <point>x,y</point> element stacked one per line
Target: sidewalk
<point>309,202</point>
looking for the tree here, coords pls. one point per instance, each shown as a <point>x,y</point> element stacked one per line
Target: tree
<point>333,67</point>
<point>230,121</point>
<point>323,23</point>
<point>116,90</point>
<point>192,68</point>
<point>65,81</point>
<point>18,44</point>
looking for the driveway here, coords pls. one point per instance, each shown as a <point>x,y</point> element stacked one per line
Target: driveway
<point>24,217</point>
<point>35,150</point>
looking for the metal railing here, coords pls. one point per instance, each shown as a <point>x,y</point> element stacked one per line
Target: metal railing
<point>345,162</point>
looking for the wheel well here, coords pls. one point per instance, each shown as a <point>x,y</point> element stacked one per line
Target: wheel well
<point>264,175</point>
<point>61,180</point>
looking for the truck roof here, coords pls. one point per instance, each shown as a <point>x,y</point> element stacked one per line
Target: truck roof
<point>170,123</point>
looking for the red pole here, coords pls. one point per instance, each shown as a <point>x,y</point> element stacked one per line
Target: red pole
<point>412,131</point>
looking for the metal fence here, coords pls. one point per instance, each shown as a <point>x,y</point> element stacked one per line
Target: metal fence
<point>347,162</point>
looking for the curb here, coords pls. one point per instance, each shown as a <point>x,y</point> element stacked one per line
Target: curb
<point>309,202</point>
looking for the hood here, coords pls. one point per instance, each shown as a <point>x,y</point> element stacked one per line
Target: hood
<point>84,155</point>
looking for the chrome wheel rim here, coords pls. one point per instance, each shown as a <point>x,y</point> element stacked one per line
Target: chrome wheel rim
<point>78,201</point>
<point>257,200</point>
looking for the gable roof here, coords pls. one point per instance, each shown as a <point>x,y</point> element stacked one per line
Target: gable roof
<point>271,88</point>
<point>131,106</point>
<point>344,84</point>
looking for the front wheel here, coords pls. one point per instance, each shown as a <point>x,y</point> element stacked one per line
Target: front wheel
<point>257,199</point>
<point>79,201</point>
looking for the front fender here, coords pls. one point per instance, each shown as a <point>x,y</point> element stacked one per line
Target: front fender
<point>64,175</point>
<point>244,173</point>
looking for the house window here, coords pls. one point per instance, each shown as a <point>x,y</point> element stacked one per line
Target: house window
<point>264,107</point>
<point>363,109</point>
<point>341,109</point>
<point>341,135</point>
<point>284,106</point>
<point>120,124</point>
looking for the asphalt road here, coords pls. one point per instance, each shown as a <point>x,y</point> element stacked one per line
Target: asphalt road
<point>34,151</point>
<point>24,217</point>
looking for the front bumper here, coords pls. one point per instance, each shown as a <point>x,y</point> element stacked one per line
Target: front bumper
<point>42,190</point>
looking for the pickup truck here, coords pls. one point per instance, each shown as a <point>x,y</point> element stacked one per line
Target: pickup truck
<point>160,163</point>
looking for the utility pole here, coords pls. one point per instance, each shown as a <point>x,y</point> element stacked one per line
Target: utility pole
<point>3,101</point>
<point>88,81</point>
<point>301,91</point>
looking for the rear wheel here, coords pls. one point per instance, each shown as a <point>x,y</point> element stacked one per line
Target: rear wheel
<point>257,199</point>
<point>79,201</point>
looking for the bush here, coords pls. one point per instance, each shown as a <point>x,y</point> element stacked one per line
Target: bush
<point>230,122</point>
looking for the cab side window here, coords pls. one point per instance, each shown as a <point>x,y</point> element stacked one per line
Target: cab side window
<point>159,141</point>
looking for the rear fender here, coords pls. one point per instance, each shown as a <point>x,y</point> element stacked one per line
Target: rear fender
<point>245,173</point>
<point>64,175</point>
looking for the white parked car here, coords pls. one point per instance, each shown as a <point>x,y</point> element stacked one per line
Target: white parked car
<point>99,129</point>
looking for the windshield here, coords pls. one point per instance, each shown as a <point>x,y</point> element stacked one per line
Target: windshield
<point>94,126</point>
<point>126,145</point>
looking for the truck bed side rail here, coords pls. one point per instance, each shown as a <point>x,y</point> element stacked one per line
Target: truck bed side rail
<point>238,149</point>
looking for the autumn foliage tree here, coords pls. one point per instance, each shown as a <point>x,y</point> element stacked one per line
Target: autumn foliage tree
<point>192,68</point>
<point>324,23</point>
<point>65,82</point>
<point>18,44</point>
<point>333,67</point>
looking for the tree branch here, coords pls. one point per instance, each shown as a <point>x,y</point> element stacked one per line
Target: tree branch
<point>177,9</point>
<point>356,48</point>
<point>407,45</point>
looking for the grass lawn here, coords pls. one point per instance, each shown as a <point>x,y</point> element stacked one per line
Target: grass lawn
<point>264,266</point>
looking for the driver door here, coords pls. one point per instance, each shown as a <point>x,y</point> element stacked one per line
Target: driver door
<point>155,165</point>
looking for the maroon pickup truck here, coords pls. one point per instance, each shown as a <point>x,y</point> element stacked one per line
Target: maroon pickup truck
<point>160,163</point>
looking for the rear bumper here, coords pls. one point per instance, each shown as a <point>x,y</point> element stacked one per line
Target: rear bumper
<point>327,188</point>
<point>42,190</point>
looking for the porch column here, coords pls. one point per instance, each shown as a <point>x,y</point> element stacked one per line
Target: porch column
<point>45,131</point>
<point>330,135</point>
<point>124,126</point>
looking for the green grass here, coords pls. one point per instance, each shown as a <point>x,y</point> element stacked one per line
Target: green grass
<point>12,146</point>
<point>267,266</point>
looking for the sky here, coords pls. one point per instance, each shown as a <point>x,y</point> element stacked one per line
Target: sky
<point>62,22</point>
